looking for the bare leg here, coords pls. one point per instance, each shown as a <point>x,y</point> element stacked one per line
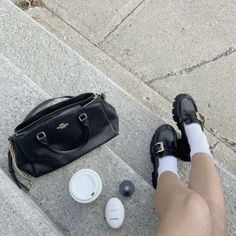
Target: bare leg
<point>180,210</point>
<point>203,176</point>
<point>205,181</point>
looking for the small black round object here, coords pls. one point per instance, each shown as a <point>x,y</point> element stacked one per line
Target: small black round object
<point>126,188</point>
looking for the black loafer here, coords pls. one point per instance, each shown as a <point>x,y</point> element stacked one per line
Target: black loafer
<point>164,142</point>
<point>185,112</point>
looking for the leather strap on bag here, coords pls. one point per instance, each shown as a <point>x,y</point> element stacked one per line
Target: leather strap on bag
<point>43,105</point>
<point>83,119</point>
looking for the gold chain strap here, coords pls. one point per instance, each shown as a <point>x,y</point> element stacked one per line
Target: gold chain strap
<point>23,174</point>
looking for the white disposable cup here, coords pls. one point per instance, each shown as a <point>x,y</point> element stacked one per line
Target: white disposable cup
<point>85,186</point>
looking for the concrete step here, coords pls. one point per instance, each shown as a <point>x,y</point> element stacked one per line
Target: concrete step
<point>20,215</point>
<point>142,93</point>
<point>71,74</point>
<point>51,192</point>
<point>60,70</point>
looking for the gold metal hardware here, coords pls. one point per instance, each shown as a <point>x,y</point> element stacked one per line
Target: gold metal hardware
<point>200,117</point>
<point>94,96</point>
<point>40,135</point>
<point>62,125</point>
<point>83,117</point>
<point>16,168</point>
<point>160,147</point>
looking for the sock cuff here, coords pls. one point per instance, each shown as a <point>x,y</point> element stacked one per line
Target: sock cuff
<point>206,150</point>
<point>201,147</point>
<point>167,163</point>
<point>197,139</point>
<point>159,174</point>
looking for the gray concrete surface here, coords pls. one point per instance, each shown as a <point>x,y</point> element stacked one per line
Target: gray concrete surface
<point>18,96</point>
<point>160,41</point>
<point>51,192</point>
<point>79,219</point>
<point>139,90</point>
<point>171,35</point>
<point>58,75</point>
<point>230,193</point>
<point>168,39</point>
<point>89,16</point>
<point>71,74</point>
<point>214,87</point>
<point>19,215</point>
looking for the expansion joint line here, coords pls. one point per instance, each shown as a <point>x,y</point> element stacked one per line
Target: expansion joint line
<point>193,67</point>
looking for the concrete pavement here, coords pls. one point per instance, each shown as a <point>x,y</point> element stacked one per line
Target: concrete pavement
<point>14,221</point>
<point>159,94</point>
<point>21,216</point>
<point>58,70</point>
<point>165,43</point>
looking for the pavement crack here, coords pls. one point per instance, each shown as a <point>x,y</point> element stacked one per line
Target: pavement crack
<point>114,29</point>
<point>193,67</point>
<point>213,146</point>
<point>66,23</point>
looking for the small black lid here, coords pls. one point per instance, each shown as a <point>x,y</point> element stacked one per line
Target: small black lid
<point>126,188</point>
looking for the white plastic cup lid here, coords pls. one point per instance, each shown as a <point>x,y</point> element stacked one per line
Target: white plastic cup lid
<point>85,186</point>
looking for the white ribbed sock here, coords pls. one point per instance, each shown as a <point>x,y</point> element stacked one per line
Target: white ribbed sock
<point>197,139</point>
<point>167,163</point>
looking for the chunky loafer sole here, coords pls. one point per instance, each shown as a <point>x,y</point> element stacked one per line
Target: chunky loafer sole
<point>154,159</point>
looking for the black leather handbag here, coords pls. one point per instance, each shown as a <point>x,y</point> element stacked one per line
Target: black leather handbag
<point>52,137</point>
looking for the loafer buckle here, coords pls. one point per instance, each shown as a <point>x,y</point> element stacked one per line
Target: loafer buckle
<point>159,147</point>
<point>200,117</point>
